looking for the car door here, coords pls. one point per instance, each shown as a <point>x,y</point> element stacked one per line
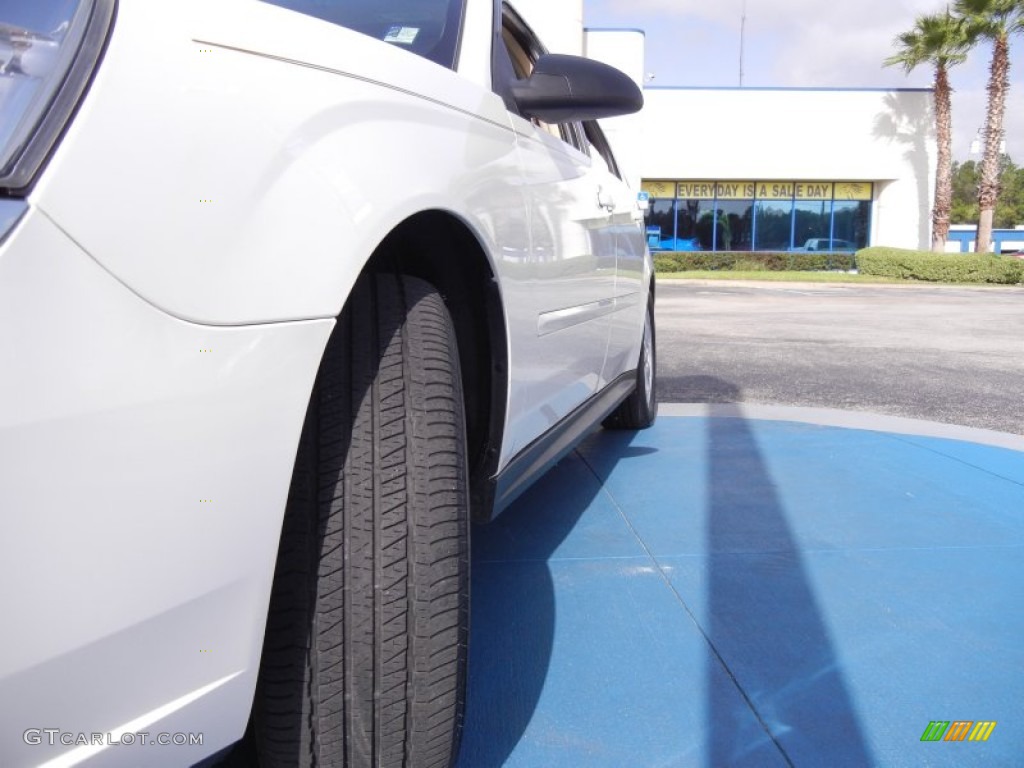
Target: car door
<point>567,280</point>
<point>631,259</point>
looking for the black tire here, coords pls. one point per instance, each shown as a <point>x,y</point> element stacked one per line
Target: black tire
<point>640,409</point>
<point>364,656</point>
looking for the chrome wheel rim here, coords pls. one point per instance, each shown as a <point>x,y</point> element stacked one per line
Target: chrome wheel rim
<point>648,359</point>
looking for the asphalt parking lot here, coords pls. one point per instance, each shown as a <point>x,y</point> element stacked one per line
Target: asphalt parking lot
<point>942,353</point>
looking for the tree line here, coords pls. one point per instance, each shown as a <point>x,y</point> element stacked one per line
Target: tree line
<point>943,40</point>
<point>1010,206</point>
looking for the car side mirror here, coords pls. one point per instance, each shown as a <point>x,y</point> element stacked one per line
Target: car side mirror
<point>564,88</point>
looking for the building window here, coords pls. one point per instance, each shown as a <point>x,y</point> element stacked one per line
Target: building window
<point>735,225</point>
<point>774,225</point>
<point>661,224</point>
<point>851,221</point>
<point>812,224</point>
<point>695,224</point>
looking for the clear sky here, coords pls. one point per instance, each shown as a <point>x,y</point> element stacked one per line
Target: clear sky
<point>824,43</point>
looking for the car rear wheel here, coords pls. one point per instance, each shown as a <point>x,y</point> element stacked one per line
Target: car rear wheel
<point>364,656</point>
<point>640,409</point>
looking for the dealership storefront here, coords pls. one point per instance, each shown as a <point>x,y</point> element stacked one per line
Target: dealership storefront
<point>823,169</point>
<point>758,215</point>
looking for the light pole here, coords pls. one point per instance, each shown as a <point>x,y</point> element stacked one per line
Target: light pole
<point>743,30</point>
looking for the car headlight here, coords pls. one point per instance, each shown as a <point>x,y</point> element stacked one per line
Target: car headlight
<point>48,51</point>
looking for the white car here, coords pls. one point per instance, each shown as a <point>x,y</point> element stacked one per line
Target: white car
<point>290,290</point>
<point>826,244</point>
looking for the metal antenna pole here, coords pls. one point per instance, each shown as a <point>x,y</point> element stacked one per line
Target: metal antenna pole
<point>743,29</point>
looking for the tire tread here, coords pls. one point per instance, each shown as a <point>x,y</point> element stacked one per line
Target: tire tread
<point>373,556</point>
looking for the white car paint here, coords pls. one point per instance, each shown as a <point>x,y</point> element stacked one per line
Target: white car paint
<point>145,466</point>
<point>163,308</point>
<point>289,198</point>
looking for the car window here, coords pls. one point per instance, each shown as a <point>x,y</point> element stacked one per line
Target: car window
<point>522,62</point>
<point>429,28</point>
<point>600,150</point>
<point>521,50</point>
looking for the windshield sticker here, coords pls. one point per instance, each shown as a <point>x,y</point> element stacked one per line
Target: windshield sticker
<point>403,35</point>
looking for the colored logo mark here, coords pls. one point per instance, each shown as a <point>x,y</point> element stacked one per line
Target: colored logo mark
<point>958,730</point>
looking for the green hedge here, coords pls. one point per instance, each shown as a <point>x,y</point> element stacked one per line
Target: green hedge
<point>940,267</point>
<point>886,262</point>
<point>686,261</point>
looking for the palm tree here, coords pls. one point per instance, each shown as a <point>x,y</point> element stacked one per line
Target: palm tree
<point>993,20</point>
<point>939,40</point>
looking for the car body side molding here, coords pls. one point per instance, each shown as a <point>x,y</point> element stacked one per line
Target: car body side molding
<point>544,452</point>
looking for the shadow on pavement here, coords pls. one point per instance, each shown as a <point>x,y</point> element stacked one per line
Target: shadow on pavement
<point>762,618</point>
<point>699,389</point>
<point>513,606</point>
<point>512,611</point>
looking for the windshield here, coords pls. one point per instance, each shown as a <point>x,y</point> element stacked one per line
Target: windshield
<point>428,28</point>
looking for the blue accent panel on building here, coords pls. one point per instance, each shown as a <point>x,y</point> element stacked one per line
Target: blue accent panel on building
<point>966,238</point>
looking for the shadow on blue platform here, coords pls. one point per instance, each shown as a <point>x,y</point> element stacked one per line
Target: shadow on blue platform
<point>763,621</point>
<point>774,689</point>
<point>513,611</point>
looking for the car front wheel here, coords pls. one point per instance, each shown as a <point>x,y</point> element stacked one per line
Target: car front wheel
<point>364,656</point>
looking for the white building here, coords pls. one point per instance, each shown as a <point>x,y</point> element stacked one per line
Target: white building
<point>763,168</point>
<point>782,168</point>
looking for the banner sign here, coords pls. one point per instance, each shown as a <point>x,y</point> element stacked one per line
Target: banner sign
<point>659,188</point>
<point>696,190</point>
<point>762,190</point>
<point>812,190</point>
<point>734,190</point>
<point>853,190</point>
<point>775,190</point>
